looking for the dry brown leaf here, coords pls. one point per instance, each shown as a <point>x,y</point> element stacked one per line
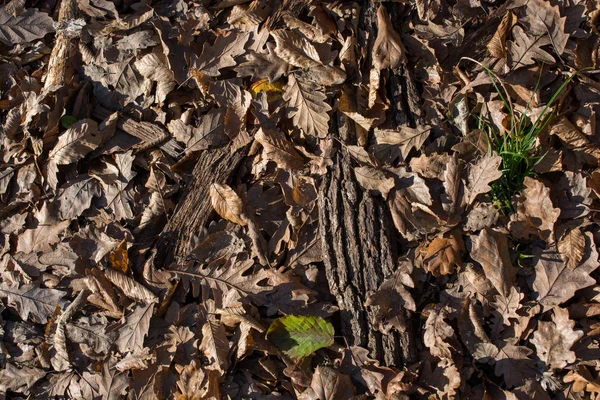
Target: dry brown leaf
<point>485,171</point>
<point>554,283</point>
<point>374,179</point>
<point>442,255</point>
<point>439,336</point>
<point>490,249</point>
<point>404,139</point>
<point>553,340</point>
<point>572,247</point>
<point>328,384</point>
<point>279,149</point>
<point>130,287</point>
<point>307,106</point>
<point>536,214</point>
<point>527,49</point>
<point>497,44</point>
<point>228,204</point>
<point>135,328</point>
<point>215,345</point>
<point>388,50</point>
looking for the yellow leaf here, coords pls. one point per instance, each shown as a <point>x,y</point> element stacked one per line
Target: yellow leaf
<point>272,89</point>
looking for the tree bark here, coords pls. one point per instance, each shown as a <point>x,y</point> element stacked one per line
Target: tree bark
<point>194,207</point>
<point>359,253</point>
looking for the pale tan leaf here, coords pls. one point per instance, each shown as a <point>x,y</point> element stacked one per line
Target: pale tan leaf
<point>227,204</point>
<point>554,283</point>
<point>535,214</point>
<point>154,66</point>
<point>135,328</point>
<point>497,44</point>
<point>328,384</point>
<point>81,138</point>
<point>439,336</point>
<point>374,179</point>
<point>130,287</point>
<point>553,340</point>
<point>279,149</point>
<point>215,344</point>
<point>221,54</point>
<point>405,139</point>
<point>482,174</point>
<point>575,140</point>
<point>572,247</point>
<point>45,234</point>
<point>490,249</point>
<point>306,105</point>
<point>388,50</point>
<point>526,49</point>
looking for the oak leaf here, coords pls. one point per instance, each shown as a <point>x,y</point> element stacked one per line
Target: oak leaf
<point>222,53</point>
<point>572,247</point>
<point>442,255</point>
<point>328,384</point>
<point>279,149</point>
<point>526,49</point>
<point>553,340</point>
<point>374,179</point>
<point>404,139</point>
<point>554,282</point>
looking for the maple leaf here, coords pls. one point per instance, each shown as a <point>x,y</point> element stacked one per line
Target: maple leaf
<point>306,106</point>
<point>526,49</point>
<point>554,282</point>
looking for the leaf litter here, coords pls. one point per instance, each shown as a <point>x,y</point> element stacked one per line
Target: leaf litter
<point>98,153</point>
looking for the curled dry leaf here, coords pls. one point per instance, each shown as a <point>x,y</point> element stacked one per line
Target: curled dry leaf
<point>228,204</point>
<point>497,44</point>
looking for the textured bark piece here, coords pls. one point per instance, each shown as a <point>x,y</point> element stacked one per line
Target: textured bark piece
<point>150,134</point>
<point>359,252</point>
<point>194,207</point>
<point>60,65</point>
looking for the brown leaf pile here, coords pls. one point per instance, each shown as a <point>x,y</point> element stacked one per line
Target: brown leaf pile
<point>105,107</point>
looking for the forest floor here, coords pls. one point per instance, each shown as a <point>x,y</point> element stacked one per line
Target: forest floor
<point>288,199</point>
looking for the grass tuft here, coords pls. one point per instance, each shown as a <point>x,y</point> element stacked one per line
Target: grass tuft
<point>518,145</point>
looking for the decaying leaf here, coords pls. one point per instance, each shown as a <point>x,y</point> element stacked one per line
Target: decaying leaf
<point>374,179</point>
<point>388,50</point>
<point>132,333</point>
<point>26,27</point>
<point>32,302</point>
<point>442,255</point>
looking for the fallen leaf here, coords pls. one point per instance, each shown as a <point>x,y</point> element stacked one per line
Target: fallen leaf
<point>300,336</point>
<point>228,204</point>
<point>306,105</point>
<point>482,174</point>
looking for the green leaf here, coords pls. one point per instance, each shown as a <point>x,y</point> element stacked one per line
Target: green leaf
<point>298,336</point>
<point>67,120</point>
